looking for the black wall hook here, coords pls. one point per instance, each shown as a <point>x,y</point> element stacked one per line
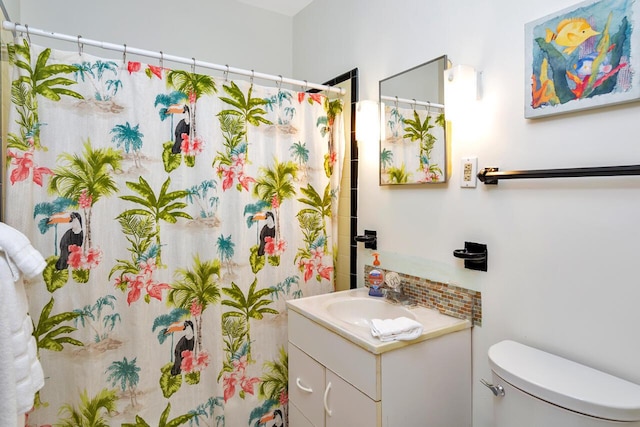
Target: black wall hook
<point>369,238</point>
<point>474,254</point>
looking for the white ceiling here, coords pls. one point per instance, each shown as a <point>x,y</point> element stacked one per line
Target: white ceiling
<point>285,7</point>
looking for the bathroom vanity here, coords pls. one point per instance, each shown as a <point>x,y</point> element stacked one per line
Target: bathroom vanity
<point>341,376</point>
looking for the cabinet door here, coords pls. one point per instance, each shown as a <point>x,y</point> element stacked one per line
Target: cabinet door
<point>306,385</point>
<point>296,418</point>
<point>347,405</point>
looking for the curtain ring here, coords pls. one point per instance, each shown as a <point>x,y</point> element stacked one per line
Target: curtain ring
<point>193,66</point>
<point>161,60</point>
<point>415,103</point>
<point>253,73</point>
<point>279,83</point>
<point>226,73</point>
<point>428,107</point>
<point>80,46</point>
<point>28,35</point>
<point>306,85</point>
<point>397,101</point>
<point>124,54</point>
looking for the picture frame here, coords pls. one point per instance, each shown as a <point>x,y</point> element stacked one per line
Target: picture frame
<point>582,57</point>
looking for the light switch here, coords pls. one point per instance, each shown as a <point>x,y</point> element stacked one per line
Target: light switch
<point>468,172</point>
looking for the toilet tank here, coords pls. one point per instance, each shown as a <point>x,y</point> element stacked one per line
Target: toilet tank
<point>545,390</point>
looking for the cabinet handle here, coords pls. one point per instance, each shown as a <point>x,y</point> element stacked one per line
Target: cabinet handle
<point>301,387</point>
<point>326,395</point>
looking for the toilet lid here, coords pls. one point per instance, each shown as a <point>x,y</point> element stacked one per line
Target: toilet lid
<point>565,383</point>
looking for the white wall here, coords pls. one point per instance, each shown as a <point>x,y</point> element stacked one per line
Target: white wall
<point>12,8</point>
<point>563,253</point>
<point>217,31</point>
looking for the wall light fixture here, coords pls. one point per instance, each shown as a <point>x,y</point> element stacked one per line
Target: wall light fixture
<point>367,121</point>
<point>461,91</point>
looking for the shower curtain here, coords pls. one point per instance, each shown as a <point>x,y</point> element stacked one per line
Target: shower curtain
<point>413,147</point>
<point>177,213</point>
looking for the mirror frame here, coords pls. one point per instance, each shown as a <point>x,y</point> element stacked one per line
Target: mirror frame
<point>444,134</point>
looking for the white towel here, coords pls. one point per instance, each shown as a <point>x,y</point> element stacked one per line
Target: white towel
<point>401,328</point>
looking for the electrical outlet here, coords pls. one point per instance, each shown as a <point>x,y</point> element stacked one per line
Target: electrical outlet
<point>468,172</point>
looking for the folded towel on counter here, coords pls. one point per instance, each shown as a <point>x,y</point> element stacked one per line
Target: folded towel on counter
<point>401,328</point>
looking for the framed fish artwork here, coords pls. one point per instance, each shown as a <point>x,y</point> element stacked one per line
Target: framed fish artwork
<point>582,57</point>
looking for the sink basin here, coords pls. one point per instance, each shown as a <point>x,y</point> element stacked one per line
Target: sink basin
<point>359,311</point>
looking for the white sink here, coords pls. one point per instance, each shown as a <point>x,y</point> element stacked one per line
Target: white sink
<point>348,313</point>
<point>360,311</point>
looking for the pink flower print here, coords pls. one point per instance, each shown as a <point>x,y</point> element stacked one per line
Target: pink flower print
<point>317,254</point>
<point>308,269</point>
<point>184,146</point>
<point>275,202</point>
<point>245,181</point>
<point>202,361</point>
<point>24,165</point>
<point>135,289</point>
<point>232,379</point>
<point>315,97</point>
<point>133,67</point>
<point>238,160</point>
<point>121,283</point>
<point>75,256</point>
<point>196,308</point>
<point>85,200</point>
<point>155,70</point>
<point>229,383</point>
<point>228,178</point>
<point>270,246</point>
<point>248,383</point>
<point>273,248</point>
<point>155,289</point>
<point>191,147</point>
<point>148,266</point>
<point>94,256</point>
<point>325,272</point>
<point>187,361</point>
<point>240,364</point>
<point>197,146</point>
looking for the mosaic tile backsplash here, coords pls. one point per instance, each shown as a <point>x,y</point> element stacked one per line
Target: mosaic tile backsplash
<point>447,299</point>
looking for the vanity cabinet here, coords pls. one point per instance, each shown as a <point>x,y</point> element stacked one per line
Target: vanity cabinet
<point>334,382</point>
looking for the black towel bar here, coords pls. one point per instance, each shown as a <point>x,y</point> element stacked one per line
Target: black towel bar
<point>490,176</point>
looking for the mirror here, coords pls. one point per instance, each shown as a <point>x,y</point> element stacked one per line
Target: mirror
<point>413,145</point>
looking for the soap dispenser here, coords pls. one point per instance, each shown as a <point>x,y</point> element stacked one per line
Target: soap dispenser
<point>375,278</point>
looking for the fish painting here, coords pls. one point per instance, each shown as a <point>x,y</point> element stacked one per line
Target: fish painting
<point>571,33</point>
<point>582,57</point>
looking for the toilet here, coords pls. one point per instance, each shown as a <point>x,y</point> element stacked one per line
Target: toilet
<point>533,388</point>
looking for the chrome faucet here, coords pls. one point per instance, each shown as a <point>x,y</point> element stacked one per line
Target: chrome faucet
<point>395,293</point>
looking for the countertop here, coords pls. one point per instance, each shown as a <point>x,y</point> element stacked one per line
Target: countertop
<point>434,323</point>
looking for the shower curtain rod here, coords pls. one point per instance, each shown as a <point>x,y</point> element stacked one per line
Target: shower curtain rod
<point>12,26</point>
<point>411,101</point>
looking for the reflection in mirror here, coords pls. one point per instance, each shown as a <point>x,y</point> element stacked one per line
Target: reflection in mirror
<point>413,146</point>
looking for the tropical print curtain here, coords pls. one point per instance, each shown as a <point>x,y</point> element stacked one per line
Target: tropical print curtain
<point>177,212</point>
<point>413,147</point>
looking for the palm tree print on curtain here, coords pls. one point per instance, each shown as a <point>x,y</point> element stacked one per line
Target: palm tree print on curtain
<point>413,149</point>
<point>168,266</point>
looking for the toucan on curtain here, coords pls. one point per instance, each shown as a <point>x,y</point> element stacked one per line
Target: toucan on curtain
<point>177,213</point>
